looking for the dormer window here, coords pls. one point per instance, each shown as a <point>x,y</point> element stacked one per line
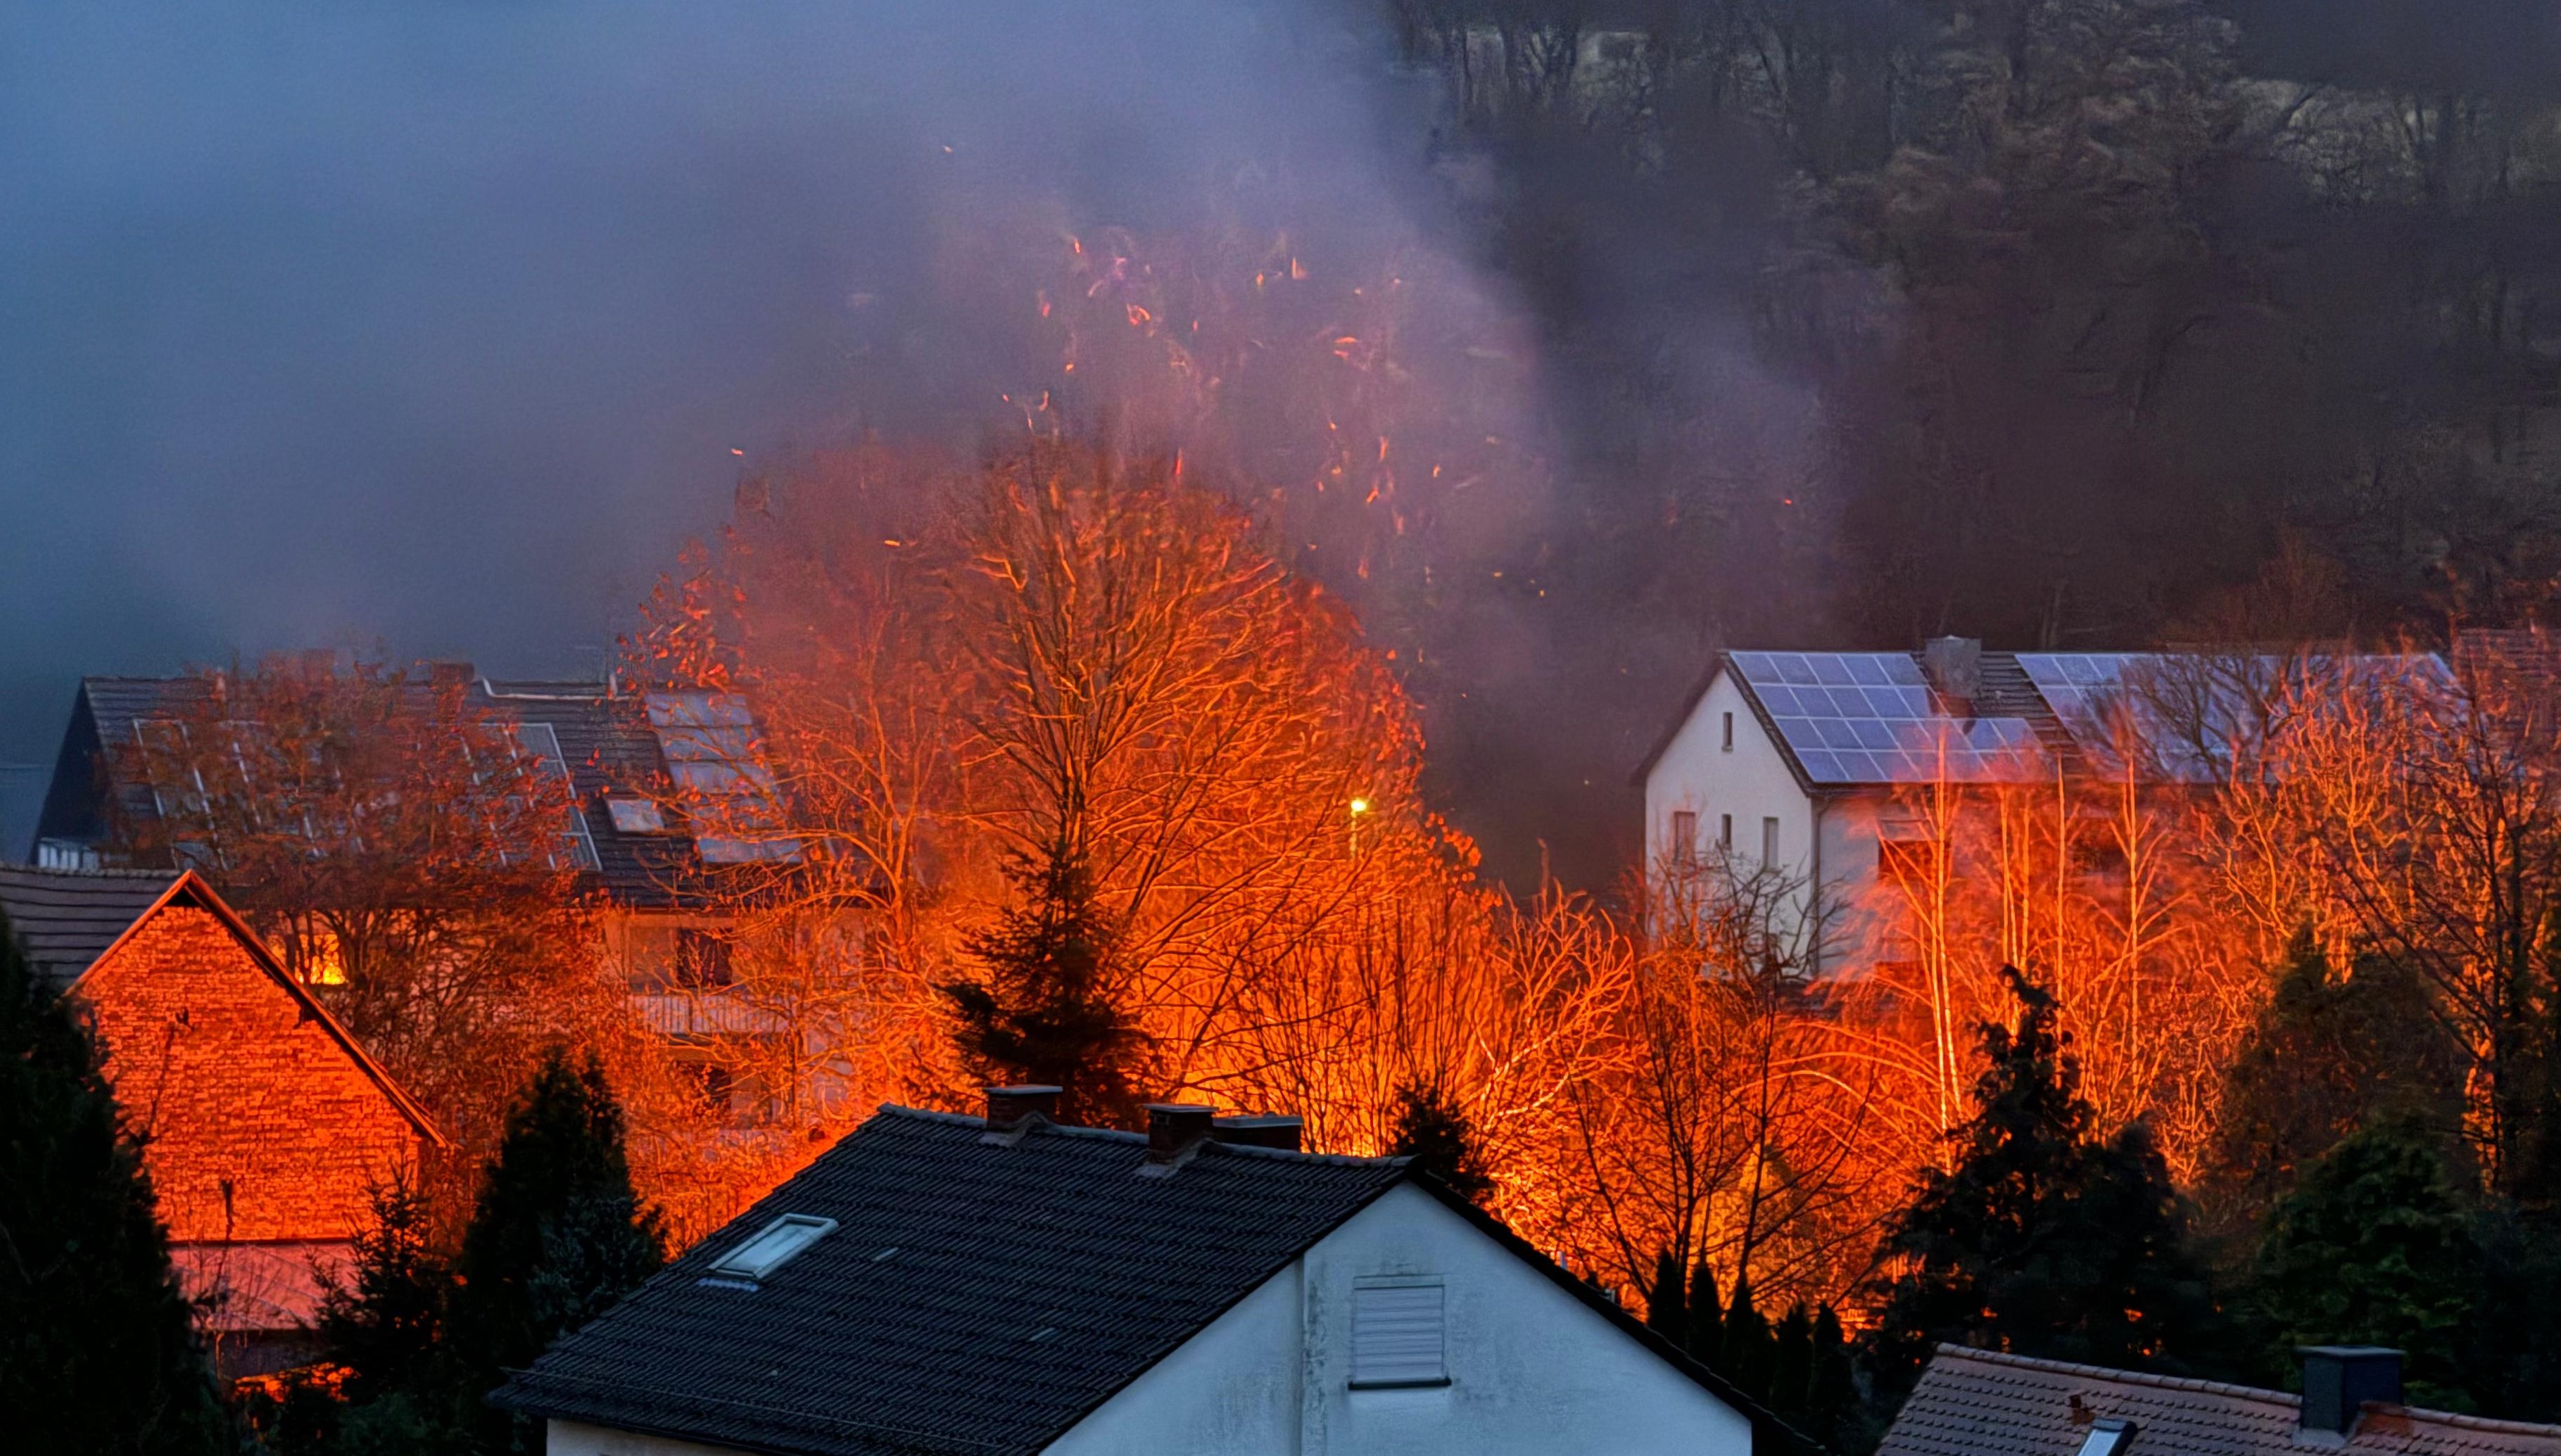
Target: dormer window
<point>775,1244</point>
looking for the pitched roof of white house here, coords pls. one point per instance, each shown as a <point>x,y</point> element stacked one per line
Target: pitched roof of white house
<point>1978,1403</point>
<point>971,1290</point>
<point>1856,719</point>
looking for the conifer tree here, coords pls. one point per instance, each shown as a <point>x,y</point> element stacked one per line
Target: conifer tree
<point>383,1326</point>
<point>2374,1247</point>
<point>96,1347</point>
<point>557,1235</point>
<point>1833,1411</point>
<point>1666,1300</point>
<point>1431,1131</point>
<point>2330,1054</point>
<point>1749,1348</point>
<point>1791,1362</point>
<point>1044,1014</point>
<point>2041,1241</point>
<point>1706,1316</point>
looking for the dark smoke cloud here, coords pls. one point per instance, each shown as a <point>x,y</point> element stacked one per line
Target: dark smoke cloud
<point>439,324</point>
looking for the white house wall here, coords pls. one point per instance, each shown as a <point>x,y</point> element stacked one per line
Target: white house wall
<point>1751,783</point>
<point>1532,1369</point>
<point>1864,915</point>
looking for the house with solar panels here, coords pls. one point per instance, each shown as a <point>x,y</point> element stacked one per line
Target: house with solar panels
<point>1803,768</point>
<point>665,800</point>
<point>1004,1285</point>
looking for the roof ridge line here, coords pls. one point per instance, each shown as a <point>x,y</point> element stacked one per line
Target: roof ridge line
<point>2111,1372</point>
<point>1117,1135</point>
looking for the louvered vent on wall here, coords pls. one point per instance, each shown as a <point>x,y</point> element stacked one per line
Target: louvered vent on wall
<point>1399,1330</point>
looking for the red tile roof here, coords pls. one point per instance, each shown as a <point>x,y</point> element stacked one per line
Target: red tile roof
<point>1978,1403</point>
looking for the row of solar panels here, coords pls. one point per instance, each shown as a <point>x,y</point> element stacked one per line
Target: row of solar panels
<point>709,742</point>
<point>1871,717</point>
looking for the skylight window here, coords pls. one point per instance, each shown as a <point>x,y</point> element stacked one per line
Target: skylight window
<point>2107,1438</point>
<point>636,816</point>
<point>774,1246</point>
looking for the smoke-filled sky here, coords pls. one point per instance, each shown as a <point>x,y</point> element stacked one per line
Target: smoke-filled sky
<point>442,325</point>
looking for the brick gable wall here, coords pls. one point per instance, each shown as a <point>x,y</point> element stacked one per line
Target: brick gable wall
<point>232,1082</point>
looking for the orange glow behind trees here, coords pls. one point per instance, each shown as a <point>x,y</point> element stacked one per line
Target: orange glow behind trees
<point>958,668</point>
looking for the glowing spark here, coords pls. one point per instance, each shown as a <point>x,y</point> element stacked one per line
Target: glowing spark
<point>737,451</point>
<point>1360,806</point>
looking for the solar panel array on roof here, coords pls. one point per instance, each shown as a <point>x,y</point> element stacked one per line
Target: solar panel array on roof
<point>2180,709</point>
<point>1870,717</point>
<point>576,849</point>
<point>713,754</point>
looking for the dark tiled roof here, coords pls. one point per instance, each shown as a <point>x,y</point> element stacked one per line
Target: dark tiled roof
<point>605,740</point>
<point>977,1298</point>
<point>1028,1284</point>
<point>64,918</point>
<point>609,750</point>
<point>1976,1402</point>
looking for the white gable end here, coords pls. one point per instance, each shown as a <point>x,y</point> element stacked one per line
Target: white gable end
<point>1723,769</point>
<point>1528,1366</point>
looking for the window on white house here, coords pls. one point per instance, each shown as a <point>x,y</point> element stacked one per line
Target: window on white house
<point>1684,835</point>
<point>1768,841</point>
<point>1729,732</point>
<point>774,1246</point>
<point>1398,1332</point>
<point>1725,831</point>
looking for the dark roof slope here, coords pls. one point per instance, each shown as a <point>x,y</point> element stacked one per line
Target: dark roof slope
<point>66,918</point>
<point>1051,1262</point>
<point>605,740</point>
<point>1976,1402</point>
<point>974,1297</point>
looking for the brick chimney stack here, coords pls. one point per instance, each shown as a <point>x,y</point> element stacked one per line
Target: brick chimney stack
<point>1010,1108</point>
<point>1175,1131</point>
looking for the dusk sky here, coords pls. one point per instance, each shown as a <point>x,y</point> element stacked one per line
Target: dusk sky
<point>442,326</point>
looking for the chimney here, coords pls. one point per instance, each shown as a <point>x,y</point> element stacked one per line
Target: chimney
<point>1955,666</point>
<point>1175,1131</point>
<point>454,674</point>
<point>1014,1109</point>
<point>2340,1379</point>
<point>1260,1132</point>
